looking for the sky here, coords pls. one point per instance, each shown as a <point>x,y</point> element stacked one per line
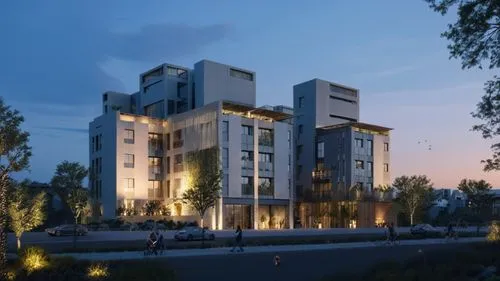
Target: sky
<point>58,57</point>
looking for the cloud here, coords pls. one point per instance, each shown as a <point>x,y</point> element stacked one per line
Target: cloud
<point>65,129</point>
<point>55,50</point>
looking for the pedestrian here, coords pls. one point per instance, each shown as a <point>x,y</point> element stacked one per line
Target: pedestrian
<point>238,237</point>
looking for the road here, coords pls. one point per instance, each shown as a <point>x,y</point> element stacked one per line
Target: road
<point>299,262</point>
<point>130,240</point>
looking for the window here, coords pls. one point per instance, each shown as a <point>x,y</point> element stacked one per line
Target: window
<point>170,107</point>
<point>176,72</point>
<point>301,102</point>
<point>129,160</point>
<point>289,139</point>
<point>100,164</point>
<point>129,136</point>
<point>386,167</point>
<point>359,164</point>
<point>177,188</point>
<point>156,110</point>
<point>178,163</point>
<point>266,187</point>
<point>178,142</point>
<point>97,143</point>
<point>100,142</point>
<point>168,141</point>
<point>299,151</point>
<point>359,142</point>
<point>225,158</point>
<point>225,130</point>
<point>155,144</point>
<point>320,150</point>
<point>167,192</point>
<point>168,165</point>
<point>386,146</point>
<point>247,130</point>
<point>369,186</point>
<point>225,183</point>
<point>369,143</point>
<point>265,157</point>
<point>246,159</point>
<point>241,74</point>
<point>93,143</point>
<point>247,185</point>
<point>266,137</point>
<point>301,129</point>
<point>105,97</point>
<point>128,184</point>
<point>299,172</point>
<point>370,166</point>
<point>155,189</point>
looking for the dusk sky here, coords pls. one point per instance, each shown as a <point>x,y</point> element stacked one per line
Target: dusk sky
<point>58,57</point>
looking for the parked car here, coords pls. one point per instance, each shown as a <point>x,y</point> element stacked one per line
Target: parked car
<point>424,230</point>
<point>190,233</point>
<point>67,229</point>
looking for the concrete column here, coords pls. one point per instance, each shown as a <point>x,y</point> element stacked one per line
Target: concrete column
<point>256,173</point>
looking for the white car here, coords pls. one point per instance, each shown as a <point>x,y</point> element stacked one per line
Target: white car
<point>190,233</point>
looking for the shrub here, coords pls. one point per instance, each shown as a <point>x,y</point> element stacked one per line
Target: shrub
<point>34,258</point>
<point>97,271</point>
<point>494,232</point>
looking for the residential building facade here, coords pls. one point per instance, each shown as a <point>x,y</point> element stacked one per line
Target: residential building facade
<point>340,161</point>
<point>138,146</point>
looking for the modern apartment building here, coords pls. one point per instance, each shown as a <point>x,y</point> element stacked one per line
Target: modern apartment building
<point>339,160</point>
<point>138,146</point>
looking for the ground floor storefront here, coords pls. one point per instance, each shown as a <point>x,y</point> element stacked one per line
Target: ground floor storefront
<point>344,214</point>
<point>256,214</point>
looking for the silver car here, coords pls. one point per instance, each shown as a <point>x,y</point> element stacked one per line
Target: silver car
<point>190,233</point>
<point>67,229</point>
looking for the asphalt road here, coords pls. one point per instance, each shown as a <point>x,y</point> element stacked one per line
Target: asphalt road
<point>300,265</point>
<point>134,239</point>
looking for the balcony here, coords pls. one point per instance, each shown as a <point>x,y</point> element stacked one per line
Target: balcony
<point>247,190</point>
<point>266,140</point>
<point>178,168</point>
<point>155,151</point>
<point>266,190</point>
<point>322,175</point>
<point>247,165</point>
<point>178,143</point>
<point>154,194</point>
<point>155,173</point>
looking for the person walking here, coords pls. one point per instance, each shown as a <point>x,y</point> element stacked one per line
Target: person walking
<point>238,237</point>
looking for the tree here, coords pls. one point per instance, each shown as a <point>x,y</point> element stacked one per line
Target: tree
<point>69,175</point>
<point>67,181</point>
<point>204,180</point>
<point>475,37</point>
<point>478,194</point>
<point>414,193</point>
<point>14,157</point>
<point>77,199</point>
<point>26,211</point>
<point>155,208</point>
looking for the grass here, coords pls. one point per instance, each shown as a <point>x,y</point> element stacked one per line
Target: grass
<point>64,268</point>
<point>269,241</point>
<point>444,264</point>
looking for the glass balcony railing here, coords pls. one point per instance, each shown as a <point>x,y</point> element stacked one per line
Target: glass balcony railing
<point>247,189</point>
<point>155,172</point>
<point>266,190</point>
<point>266,140</point>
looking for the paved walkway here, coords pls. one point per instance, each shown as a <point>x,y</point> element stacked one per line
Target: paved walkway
<point>258,249</point>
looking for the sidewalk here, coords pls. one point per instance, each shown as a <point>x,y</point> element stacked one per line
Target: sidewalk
<point>258,249</point>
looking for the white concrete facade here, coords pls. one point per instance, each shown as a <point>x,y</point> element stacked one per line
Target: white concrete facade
<point>138,146</point>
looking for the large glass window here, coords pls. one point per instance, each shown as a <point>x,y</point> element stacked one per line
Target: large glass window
<point>241,74</point>
<point>155,190</point>
<point>225,158</point>
<point>128,160</point>
<point>266,157</point>
<point>359,142</point>
<point>155,144</point>
<point>266,137</point>
<point>225,130</point>
<point>235,215</point>
<point>247,186</point>
<point>320,150</point>
<point>266,187</point>
<point>247,130</point>
<point>178,159</point>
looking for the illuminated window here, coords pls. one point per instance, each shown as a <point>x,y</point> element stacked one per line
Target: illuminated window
<point>359,164</point>
<point>386,167</point>
<point>128,184</point>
